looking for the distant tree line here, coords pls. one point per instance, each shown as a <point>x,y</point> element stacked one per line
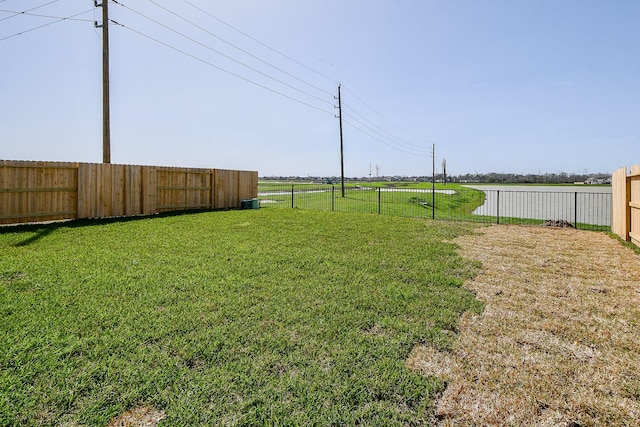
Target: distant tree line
<point>512,178</point>
<point>489,178</point>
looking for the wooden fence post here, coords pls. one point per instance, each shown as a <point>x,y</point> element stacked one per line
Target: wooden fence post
<point>620,198</point>
<point>633,188</point>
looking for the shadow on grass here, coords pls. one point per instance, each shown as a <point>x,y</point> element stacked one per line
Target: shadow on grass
<point>42,230</point>
<point>39,234</point>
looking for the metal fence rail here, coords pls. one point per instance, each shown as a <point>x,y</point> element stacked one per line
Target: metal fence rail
<point>581,209</point>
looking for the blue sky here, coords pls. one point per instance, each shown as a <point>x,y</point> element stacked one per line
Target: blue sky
<point>497,85</point>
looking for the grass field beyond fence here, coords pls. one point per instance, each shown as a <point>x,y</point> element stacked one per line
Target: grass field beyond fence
<point>257,317</point>
<point>453,202</point>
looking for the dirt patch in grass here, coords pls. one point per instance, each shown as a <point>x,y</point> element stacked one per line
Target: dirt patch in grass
<point>144,416</point>
<point>559,340</point>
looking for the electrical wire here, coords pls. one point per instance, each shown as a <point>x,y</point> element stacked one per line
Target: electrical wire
<point>382,138</point>
<point>218,67</point>
<point>387,120</point>
<point>68,18</point>
<point>25,12</point>
<point>224,55</point>
<point>43,16</point>
<point>371,128</point>
<point>402,145</point>
<point>331,79</point>
<point>379,131</point>
<point>381,141</point>
<point>240,49</point>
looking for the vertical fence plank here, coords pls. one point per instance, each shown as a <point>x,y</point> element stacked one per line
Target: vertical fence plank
<point>6,198</point>
<point>149,190</point>
<point>620,192</point>
<point>133,187</point>
<point>83,191</point>
<point>247,185</point>
<point>633,183</point>
<point>212,193</point>
<point>162,177</point>
<point>218,192</point>
<point>226,193</point>
<point>118,190</point>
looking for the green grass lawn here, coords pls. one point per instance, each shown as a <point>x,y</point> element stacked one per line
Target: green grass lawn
<point>399,199</point>
<point>256,317</point>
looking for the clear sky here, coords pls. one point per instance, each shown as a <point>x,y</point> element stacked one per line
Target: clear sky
<point>522,86</point>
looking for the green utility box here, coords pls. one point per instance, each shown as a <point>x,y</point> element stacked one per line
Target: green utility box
<point>250,204</point>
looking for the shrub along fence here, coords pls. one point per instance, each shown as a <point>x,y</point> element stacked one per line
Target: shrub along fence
<point>47,191</point>
<point>566,205</point>
<point>626,204</point>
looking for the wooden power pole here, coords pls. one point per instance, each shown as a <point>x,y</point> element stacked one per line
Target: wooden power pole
<point>433,181</point>
<point>341,141</point>
<point>106,121</point>
<point>444,171</point>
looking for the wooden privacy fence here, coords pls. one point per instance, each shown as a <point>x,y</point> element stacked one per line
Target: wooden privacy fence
<point>47,191</point>
<point>625,221</point>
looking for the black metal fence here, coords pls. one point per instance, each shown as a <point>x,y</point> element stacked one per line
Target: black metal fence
<point>576,206</point>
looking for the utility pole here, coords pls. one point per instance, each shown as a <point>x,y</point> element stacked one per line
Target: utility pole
<point>106,121</point>
<point>444,171</point>
<point>341,141</point>
<point>433,182</point>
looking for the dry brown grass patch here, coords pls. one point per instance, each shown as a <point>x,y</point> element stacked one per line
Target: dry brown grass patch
<point>144,416</point>
<point>558,342</point>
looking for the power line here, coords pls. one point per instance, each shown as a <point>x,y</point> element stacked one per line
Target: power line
<point>382,137</point>
<point>387,120</point>
<point>380,132</point>
<point>382,141</point>
<point>43,16</point>
<point>331,79</point>
<point>240,49</point>
<point>25,12</point>
<point>68,18</point>
<point>224,55</point>
<point>219,68</point>
<point>388,139</point>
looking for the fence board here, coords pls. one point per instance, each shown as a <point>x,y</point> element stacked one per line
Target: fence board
<point>84,190</point>
<point>149,190</point>
<point>226,189</point>
<point>626,204</point>
<point>620,219</point>
<point>248,185</point>
<point>634,204</point>
<point>37,191</point>
<point>44,191</point>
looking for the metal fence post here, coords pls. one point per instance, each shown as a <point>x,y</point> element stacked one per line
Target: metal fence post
<point>575,209</point>
<point>498,208</point>
<point>291,196</point>
<point>333,197</point>
<point>433,202</point>
<point>379,200</point>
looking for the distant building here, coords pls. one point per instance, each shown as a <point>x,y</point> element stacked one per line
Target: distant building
<point>594,180</point>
